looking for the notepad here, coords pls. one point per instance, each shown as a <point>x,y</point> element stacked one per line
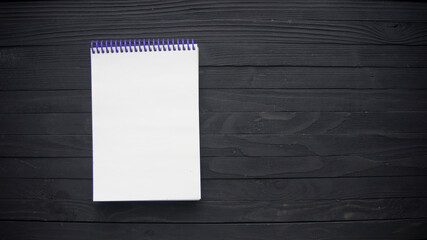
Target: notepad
<point>145,120</point>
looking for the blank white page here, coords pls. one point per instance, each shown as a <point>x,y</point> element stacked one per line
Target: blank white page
<point>145,120</point>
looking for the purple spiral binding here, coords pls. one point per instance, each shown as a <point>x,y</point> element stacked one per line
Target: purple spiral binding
<point>116,46</point>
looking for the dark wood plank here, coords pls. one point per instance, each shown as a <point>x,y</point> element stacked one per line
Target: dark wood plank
<point>46,167</point>
<point>232,145</point>
<point>312,55</point>
<point>363,230</point>
<point>413,164</point>
<point>223,100</point>
<point>291,77</point>
<point>311,145</point>
<point>182,10</point>
<point>48,146</point>
<point>45,101</point>
<point>80,31</point>
<point>68,75</point>
<point>238,123</point>
<point>239,189</point>
<point>50,123</point>
<point>314,189</point>
<point>341,10</point>
<point>221,53</point>
<point>314,166</point>
<point>235,100</point>
<point>307,123</point>
<point>213,212</point>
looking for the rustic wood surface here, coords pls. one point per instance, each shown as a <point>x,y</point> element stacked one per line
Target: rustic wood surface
<point>313,119</point>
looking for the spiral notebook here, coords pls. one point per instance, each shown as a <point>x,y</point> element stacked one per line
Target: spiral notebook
<point>145,120</point>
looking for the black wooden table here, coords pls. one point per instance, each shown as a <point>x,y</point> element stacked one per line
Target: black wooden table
<point>313,118</point>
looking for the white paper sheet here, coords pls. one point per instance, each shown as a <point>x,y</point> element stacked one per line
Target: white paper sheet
<point>145,120</point>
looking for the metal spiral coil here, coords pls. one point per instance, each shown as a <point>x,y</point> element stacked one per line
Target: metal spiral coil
<point>140,45</point>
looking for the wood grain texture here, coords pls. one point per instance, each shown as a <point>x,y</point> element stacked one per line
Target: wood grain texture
<point>313,55</point>
<point>306,77</point>
<point>264,145</point>
<point>214,211</point>
<point>309,145</point>
<point>46,167</point>
<point>45,101</point>
<point>239,167</point>
<point>314,166</point>
<point>311,123</point>
<point>182,10</point>
<point>235,100</point>
<point>363,230</point>
<point>78,31</point>
<point>335,123</point>
<point>239,189</point>
<point>50,123</point>
<point>39,74</point>
<point>223,100</point>
<point>239,54</point>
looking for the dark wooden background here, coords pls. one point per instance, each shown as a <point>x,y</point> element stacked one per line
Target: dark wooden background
<point>313,120</point>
